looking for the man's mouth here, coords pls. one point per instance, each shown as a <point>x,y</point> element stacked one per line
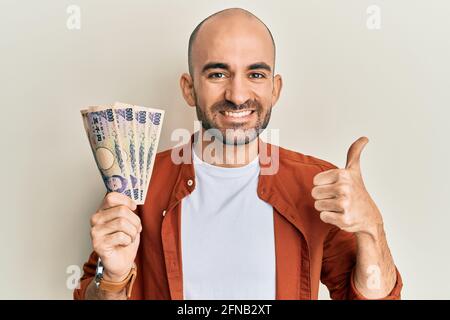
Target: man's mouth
<point>242,114</point>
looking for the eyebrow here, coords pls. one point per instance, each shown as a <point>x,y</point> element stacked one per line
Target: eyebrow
<point>260,65</point>
<point>226,66</point>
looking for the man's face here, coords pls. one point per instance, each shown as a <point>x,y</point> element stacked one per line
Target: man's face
<point>233,82</point>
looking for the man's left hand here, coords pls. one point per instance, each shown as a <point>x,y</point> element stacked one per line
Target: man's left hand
<point>342,199</point>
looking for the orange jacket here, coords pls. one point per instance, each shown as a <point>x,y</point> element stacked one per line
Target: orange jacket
<point>307,250</point>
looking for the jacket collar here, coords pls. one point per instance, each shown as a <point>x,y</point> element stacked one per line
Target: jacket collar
<point>270,187</point>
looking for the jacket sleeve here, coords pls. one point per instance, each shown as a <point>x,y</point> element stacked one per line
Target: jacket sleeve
<point>88,275</point>
<point>338,265</point>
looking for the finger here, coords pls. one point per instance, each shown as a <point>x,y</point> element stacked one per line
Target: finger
<point>107,215</point>
<point>330,191</point>
<point>114,199</point>
<point>327,177</point>
<point>331,218</point>
<point>334,205</point>
<point>116,225</point>
<point>354,153</point>
<point>117,239</point>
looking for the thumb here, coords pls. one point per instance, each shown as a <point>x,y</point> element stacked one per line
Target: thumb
<point>354,153</point>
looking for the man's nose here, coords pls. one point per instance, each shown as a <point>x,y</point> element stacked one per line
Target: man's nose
<point>237,91</point>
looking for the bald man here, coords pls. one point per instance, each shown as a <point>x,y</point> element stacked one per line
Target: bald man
<point>214,225</point>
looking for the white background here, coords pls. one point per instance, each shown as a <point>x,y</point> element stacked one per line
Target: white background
<point>341,81</point>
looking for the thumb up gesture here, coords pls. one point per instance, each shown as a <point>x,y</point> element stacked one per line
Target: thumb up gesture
<point>341,197</point>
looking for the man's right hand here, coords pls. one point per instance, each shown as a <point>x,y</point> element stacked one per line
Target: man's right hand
<point>115,233</point>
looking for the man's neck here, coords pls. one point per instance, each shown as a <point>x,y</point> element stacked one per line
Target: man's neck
<point>213,151</point>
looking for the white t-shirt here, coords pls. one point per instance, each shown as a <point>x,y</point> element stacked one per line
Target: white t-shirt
<point>227,235</point>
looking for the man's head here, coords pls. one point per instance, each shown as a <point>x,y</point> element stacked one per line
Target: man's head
<point>231,69</point>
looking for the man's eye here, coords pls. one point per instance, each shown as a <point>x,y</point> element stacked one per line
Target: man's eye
<point>257,75</point>
<point>216,75</point>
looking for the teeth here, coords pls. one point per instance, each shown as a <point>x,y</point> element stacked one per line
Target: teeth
<point>237,114</point>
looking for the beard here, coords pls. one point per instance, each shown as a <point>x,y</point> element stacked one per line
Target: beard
<point>237,134</point>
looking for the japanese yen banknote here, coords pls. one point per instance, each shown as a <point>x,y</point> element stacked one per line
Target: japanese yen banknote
<point>124,140</point>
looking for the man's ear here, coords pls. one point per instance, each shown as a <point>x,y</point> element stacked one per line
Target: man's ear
<point>187,89</point>
<point>276,91</point>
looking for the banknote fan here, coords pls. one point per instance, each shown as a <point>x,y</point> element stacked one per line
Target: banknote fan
<point>124,140</point>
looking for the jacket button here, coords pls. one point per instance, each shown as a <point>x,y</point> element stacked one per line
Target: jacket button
<point>164,213</point>
<point>190,182</point>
